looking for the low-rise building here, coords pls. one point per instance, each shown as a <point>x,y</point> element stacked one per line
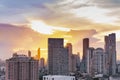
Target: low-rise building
<point>58,77</point>
<point>114,77</point>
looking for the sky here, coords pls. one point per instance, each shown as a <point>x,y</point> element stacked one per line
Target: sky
<point>27,24</point>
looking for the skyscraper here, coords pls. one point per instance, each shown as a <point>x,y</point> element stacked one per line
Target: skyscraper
<point>74,62</point>
<point>29,53</point>
<point>69,47</point>
<point>90,54</point>
<point>42,63</point>
<point>38,55</point>
<point>78,61</point>
<point>21,67</point>
<point>110,50</point>
<point>98,61</point>
<point>85,48</point>
<point>57,57</point>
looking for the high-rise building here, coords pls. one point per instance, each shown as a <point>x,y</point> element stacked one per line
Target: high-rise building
<point>74,62</point>
<point>21,67</point>
<point>29,53</point>
<point>98,61</point>
<point>85,48</point>
<point>90,54</point>
<point>69,47</point>
<point>42,63</point>
<point>38,55</point>
<point>57,57</point>
<point>78,61</point>
<point>110,50</point>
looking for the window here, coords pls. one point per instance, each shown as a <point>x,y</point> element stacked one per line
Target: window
<point>44,78</point>
<point>52,78</point>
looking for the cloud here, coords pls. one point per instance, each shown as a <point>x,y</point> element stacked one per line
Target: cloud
<point>20,39</point>
<point>107,3</point>
<point>16,37</point>
<point>55,13</point>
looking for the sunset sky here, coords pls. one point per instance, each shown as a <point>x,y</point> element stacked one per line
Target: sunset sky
<point>27,24</point>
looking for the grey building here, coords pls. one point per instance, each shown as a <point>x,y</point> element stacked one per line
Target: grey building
<point>69,47</point>
<point>110,50</point>
<point>57,57</point>
<point>98,61</point>
<point>84,58</point>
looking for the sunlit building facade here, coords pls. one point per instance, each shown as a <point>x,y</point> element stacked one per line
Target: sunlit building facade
<point>21,67</point>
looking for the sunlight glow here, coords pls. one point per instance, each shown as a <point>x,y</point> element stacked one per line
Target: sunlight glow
<point>43,28</point>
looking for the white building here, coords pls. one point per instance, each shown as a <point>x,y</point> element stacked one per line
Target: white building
<point>98,61</point>
<point>118,68</point>
<point>89,60</point>
<point>115,77</point>
<point>58,77</point>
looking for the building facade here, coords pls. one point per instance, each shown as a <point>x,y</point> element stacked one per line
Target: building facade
<point>42,63</point>
<point>98,61</point>
<point>57,57</point>
<point>69,47</point>
<point>90,54</point>
<point>21,67</point>
<point>58,77</point>
<point>84,58</point>
<point>110,50</point>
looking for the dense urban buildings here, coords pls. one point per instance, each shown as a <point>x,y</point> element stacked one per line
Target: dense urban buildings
<point>102,61</point>
<point>96,62</point>
<point>57,57</point>
<point>21,67</point>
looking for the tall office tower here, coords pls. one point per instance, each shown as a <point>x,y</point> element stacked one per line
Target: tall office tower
<point>57,57</point>
<point>69,47</point>
<point>42,63</point>
<point>29,53</point>
<point>85,48</point>
<point>98,61</point>
<point>38,55</point>
<point>21,67</point>
<point>78,61</point>
<point>90,54</point>
<point>74,62</point>
<point>110,50</point>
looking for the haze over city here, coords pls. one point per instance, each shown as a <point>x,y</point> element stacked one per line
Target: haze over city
<point>28,25</point>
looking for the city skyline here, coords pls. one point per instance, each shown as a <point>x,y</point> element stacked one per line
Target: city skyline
<point>27,25</point>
